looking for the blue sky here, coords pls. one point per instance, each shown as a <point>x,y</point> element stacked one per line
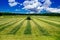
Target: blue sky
<point>25,6</point>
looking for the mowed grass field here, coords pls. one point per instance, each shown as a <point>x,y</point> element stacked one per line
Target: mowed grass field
<point>17,27</point>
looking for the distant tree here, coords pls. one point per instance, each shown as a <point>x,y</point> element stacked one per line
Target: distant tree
<point>0,14</point>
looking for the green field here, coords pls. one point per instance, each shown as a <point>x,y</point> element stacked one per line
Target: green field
<point>17,27</point>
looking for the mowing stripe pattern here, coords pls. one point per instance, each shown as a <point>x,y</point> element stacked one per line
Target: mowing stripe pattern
<point>36,27</point>
<point>42,30</point>
<point>13,31</point>
<point>28,28</point>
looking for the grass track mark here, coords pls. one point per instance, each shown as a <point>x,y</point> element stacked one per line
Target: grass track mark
<point>5,23</point>
<point>35,31</point>
<point>51,23</point>
<point>44,32</point>
<point>52,18</point>
<point>6,26</point>
<point>13,31</point>
<point>28,28</point>
<point>21,30</point>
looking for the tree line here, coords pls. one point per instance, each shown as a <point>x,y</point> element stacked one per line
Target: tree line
<point>41,14</point>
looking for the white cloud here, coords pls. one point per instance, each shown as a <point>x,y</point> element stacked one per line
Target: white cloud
<point>47,3</point>
<point>54,10</point>
<point>42,0</point>
<point>36,5</point>
<point>11,0</point>
<point>31,5</point>
<point>13,3</point>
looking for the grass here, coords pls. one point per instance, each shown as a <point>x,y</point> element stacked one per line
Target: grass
<point>6,26</point>
<point>28,28</point>
<point>13,31</point>
<point>51,23</point>
<point>38,28</point>
<point>42,30</point>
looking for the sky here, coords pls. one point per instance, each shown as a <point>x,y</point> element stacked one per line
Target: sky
<point>30,6</point>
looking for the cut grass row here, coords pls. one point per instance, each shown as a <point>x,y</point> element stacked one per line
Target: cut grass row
<point>53,18</point>
<point>54,23</point>
<point>52,29</point>
<point>22,29</point>
<point>6,22</point>
<point>41,29</point>
<point>14,30</point>
<point>3,21</point>
<point>10,28</point>
<point>35,31</point>
<point>7,25</point>
<point>55,32</point>
<point>28,28</point>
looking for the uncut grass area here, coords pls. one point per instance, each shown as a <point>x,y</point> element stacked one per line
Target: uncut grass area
<point>18,27</point>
